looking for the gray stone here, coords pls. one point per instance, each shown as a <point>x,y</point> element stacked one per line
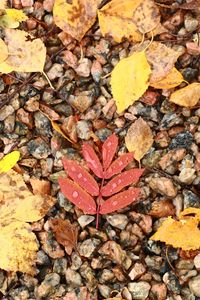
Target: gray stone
<point>38,148</point>
<point>87,247</point>
<point>190,199</point>
<point>73,278</point>
<point>118,220</point>
<point>56,71</point>
<point>48,286</point>
<point>84,220</point>
<point>42,124</point>
<point>194,285</point>
<point>139,290</point>
<point>83,130</point>
<point>190,23</point>
<point>6,111</point>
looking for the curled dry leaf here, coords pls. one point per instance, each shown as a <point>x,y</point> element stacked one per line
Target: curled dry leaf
<point>129,80</point>
<point>75,18</point>
<point>183,233</point>
<point>173,79</point>
<point>24,55</point>
<point>162,60</point>
<point>9,161</point>
<point>139,138</point>
<point>187,96</point>
<point>12,18</point>
<point>40,187</point>
<point>19,205</point>
<point>65,233</point>
<point>146,16</point>
<point>3,51</point>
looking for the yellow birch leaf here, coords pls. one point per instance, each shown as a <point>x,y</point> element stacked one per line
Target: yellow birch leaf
<point>24,55</point>
<point>139,138</point>
<point>187,96</point>
<point>18,248</point>
<point>12,18</point>
<point>173,79</point>
<point>76,18</point>
<point>57,128</point>
<point>3,51</point>
<point>183,233</point>
<point>9,161</point>
<point>129,80</point>
<point>146,16</point>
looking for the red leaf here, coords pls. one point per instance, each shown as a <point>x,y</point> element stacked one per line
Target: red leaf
<point>92,160</point>
<point>81,176</point>
<point>77,195</point>
<point>108,150</point>
<point>120,181</point>
<point>119,201</point>
<point>118,165</point>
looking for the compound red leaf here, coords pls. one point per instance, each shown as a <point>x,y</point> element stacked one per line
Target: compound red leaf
<point>118,165</point>
<point>74,193</point>
<point>119,201</point>
<point>92,160</point>
<point>81,176</point>
<point>108,150</point>
<point>120,181</point>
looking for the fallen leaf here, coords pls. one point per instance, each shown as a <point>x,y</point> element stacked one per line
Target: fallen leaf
<point>187,96</point>
<point>9,161</point>
<point>24,55</point>
<point>3,4</point>
<point>162,60</point>
<point>57,128</point>
<point>183,233</point>
<point>40,187</point>
<point>173,79</point>
<point>3,51</point>
<point>18,205</point>
<point>146,16</point>
<point>75,18</point>
<point>129,80</point>
<point>108,150</point>
<point>12,18</point>
<point>92,160</point>
<point>139,138</point>
<point>66,233</point>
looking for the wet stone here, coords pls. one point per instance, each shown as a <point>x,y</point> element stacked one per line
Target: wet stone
<point>169,120</point>
<point>84,68</point>
<point>87,247</point>
<point>182,140</point>
<point>190,199</point>
<point>163,186</point>
<point>187,175</point>
<point>137,271</point>
<point>63,202</point>
<point>139,290</point>
<point>117,220</point>
<point>76,261</point>
<point>38,148</point>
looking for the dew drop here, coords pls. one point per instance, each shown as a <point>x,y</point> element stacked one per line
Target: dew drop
<point>119,181</point>
<point>109,144</point>
<point>115,203</point>
<point>120,163</point>
<point>75,194</point>
<point>84,179</point>
<point>114,185</point>
<point>80,175</point>
<point>73,169</point>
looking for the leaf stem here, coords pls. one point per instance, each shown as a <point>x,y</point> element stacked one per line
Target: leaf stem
<point>48,80</point>
<point>99,203</point>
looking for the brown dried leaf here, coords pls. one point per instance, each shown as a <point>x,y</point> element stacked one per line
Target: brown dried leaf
<point>66,233</point>
<point>76,18</point>
<point>187,96</point>
<point>40,187</point>
<point>139,138</point>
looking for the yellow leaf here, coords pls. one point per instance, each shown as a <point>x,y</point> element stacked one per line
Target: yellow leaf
<point>18,248</point>
<point>12,18</point>
<point>24,55</point>
<point>146,16</point>
<point>76,18</point>
<point>57,128</point>
<point>17,206</point>
<point>183,234</point>
<point>115,19</point>
<point>9,161</point>
<point>129,80</point>
<point>3,4</point>
<point>3,51</point>
<point>187,96</point>
<point>139,138</point>
<point>173,79</point>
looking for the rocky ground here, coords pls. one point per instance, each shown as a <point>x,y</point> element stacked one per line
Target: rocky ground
<point>119,259</point>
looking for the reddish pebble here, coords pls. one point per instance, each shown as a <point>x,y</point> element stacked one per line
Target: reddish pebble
<point>48,5</point>
<point>27,3</point>
<point>149,98</point>
<point>193,48</point>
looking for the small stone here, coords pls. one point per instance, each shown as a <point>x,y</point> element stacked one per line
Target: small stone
<point>163,186</point>
<point>42,124</point>
<point>162,208</point>
<point>193,48</point>
<point>117,220</point>
<point>87,248</point>
<point>197,262</point>
<point>60,265</point>
<point>83,130</point>
<point>137,271</point>
<point>56,71</point>
<point>81,102</point>
<point>104,290</point>
<point>139,290</point>
<point>39,148</point>
<point>189,74</point>
<point>42,258</point>
<point>187,175</point>
<point>84,220</point>
<point>103,133</point>
<point>25,117</point>
<point>190,199</point>
<point>76,261</point>
<point>190,23</point>
<point>84,68</point>
<point>113,251</point>
<point>48,286</point>
<point>182,140</point>
<point>106,275</point>
<point>48,5</point>
<point>9,124</point>
<point>96,71</point>
<point>20,293</point>
<point>69,58</point>
<point>194,285</point>
<point>6,111</point>
<point>159,291</point>
<point>73,278</point>
<point>27,3</point>
<point>171,280</point>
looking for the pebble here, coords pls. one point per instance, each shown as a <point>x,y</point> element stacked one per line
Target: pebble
<point>117,220</point>
<point>193,48</point>
<point>194,285</point>
<point>189,74</point>
<point>159,291</point>
<point>56,71</point>
<point>48,5</point>
<point>139,290</point>
<point>190,23</point>
<point>83,130</point>
<point>163,186</point>
<point>137,271</point>
<point>9,124</point>
<point>60,265</point>
<point>190,199</point>
<point>103,133</point>
<point>113,251</point>
<point>42,124</point>
<point>69,58</point>
<point>48,285</point>
<point>182,140</point>
<point>73,278</point>
<point>81,102</point>
<point>42,258</point>
<point>39,148</point>
<point>6,111</point>
<point>96,71</point>
<point>187,175</point>
<point>88,247</point>
<point>84,67</point>
<point>20,293</point>
<point>171,280</point>
<point>84,220</point>
<point>197,262</point>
